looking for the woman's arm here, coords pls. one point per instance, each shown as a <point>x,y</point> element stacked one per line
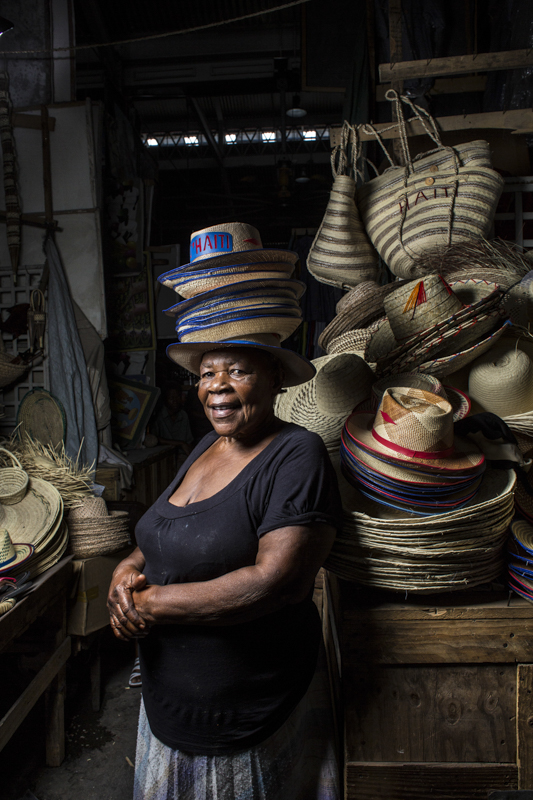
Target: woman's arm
<point>285,568</point>
<point>127,577</point>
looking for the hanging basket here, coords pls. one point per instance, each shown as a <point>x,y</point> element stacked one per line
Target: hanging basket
<point>341,254</point>
<point>445,196</point>
<point>13,481</point>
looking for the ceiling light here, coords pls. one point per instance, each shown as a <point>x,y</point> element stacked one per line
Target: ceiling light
<point>5,25</point>
<point>302,176</point>
<point>296,110</point>
<point>268,136</point>
<point>152,142</point>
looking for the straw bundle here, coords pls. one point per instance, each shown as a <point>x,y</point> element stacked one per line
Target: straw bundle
<point>498,261</point>
<point>72,480</point>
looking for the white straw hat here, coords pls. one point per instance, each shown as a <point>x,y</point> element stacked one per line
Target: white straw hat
<point>502,380</point>
<point>12,554</point>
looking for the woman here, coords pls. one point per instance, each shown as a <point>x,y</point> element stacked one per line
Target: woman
<point>219,594</point>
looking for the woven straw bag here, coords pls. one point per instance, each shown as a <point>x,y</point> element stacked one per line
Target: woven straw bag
<point>442,197</point>
<point>13,481</point>
<point>9,372</point>
<point>341,254</point>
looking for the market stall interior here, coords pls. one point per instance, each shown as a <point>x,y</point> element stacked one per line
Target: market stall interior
<point>348,189</point>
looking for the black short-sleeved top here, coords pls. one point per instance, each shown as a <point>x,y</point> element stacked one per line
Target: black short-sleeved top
<point>218,689</point>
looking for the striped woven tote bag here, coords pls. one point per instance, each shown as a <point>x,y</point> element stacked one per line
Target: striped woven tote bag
<point>442,197</point>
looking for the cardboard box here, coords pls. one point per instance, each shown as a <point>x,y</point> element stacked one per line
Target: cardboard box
<point>88,610</point>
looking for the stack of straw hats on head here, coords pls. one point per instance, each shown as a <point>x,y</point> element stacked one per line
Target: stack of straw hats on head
<point>37,521</point>
<point>236,293</point>
<point>322,404</point>
<point>406,456</point>
<point>95,532</point>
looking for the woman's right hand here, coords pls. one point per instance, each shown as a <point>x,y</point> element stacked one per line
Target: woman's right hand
<point>126,622</point>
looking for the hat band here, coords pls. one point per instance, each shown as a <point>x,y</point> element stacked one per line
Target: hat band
<point>8,561</point>
<point>413,453</point>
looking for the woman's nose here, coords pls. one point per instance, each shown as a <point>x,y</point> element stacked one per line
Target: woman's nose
<point>219,381</point>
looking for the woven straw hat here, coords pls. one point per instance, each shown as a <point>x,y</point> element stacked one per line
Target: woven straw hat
<point>419,305</point>
<point>297,369</point>
<point>413,425</point>
<point>321,405</point>
<point>241,291</point>
<point>12,554</point>
<point>502,380</point>
<point>36,516</point>
<point>93,531</point>
<point>386,548</point>
<point>231,243</point>
<point>190,284</point>
<point>459,400</point>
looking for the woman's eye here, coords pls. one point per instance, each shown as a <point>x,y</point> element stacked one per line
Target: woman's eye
<point>206,375</point>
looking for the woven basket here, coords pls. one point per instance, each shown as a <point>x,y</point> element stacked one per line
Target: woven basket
<point>13,481</point>
<point>341,254</point>
<point>444,197</point>
<point>9,372</point>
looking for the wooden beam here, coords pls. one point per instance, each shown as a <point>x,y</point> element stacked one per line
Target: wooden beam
<point>459,84</point>
<point>516,121</point>
<point>455,65</point>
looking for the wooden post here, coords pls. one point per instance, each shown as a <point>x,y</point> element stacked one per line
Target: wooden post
<point>524,725</point>
<point>55,697</point>
<point>395,44</point>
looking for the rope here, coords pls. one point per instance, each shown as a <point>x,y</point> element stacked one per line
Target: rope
<point>164,35</point>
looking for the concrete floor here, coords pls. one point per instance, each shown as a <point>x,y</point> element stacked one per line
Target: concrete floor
<point>100,745</point>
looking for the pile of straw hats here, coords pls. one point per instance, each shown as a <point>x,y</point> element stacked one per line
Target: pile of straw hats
<point>95,532</point>
<point>236,293</point>
<point>37,520</point>
<point>520,559</point>
<point>323,403</point>
<point>432,322</point>
<point>406,456</point>
<point>385,548</point>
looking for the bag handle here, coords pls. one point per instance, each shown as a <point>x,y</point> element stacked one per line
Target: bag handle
<point>37,300</point>
<point>15,459</point>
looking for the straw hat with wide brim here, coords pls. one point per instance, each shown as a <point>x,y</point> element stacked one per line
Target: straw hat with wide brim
<point>361,306</point>
<point>386,548</point>
<point>419,305</point>
<point>297,369</point>
<point>194,283</point>
<point>416,426</point>
<point>480,313</point>
<point>231,243</point>
<point>33,519</point>
<point>11,555</point>
<point>242,290</point>
<point>459,400</point>
<point>322,404</point>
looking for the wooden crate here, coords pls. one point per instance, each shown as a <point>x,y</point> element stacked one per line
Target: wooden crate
<point>436,695</point>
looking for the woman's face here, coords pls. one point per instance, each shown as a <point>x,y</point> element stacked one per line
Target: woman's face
<point>237,389</point>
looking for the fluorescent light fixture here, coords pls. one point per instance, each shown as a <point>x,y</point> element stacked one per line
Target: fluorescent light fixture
<point>268,136</point>
<point>309,136</point>
<point>296,109</point>
<point>152,142</point>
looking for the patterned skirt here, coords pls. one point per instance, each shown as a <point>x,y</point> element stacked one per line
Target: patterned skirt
<point>298,762</point>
